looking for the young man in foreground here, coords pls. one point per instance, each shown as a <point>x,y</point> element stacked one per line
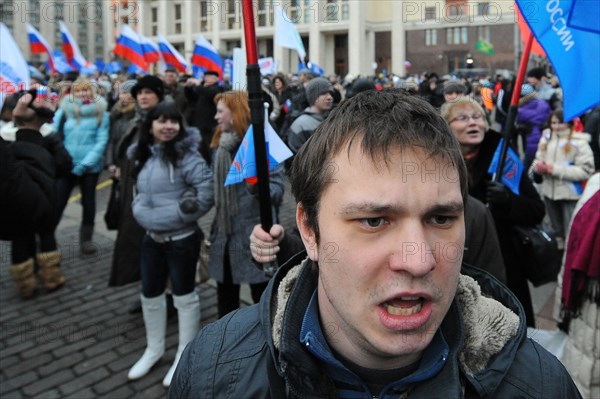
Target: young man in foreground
<point>380,307</point>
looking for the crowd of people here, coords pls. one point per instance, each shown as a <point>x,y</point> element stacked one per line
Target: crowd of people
<point>403,315</point>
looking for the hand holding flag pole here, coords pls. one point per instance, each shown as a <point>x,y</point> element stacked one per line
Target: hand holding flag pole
<point>258,123</point>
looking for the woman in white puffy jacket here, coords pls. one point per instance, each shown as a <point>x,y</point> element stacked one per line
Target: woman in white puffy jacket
<point>565,160</point>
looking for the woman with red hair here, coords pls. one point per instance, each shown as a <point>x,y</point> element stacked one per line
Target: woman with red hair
<point>237,207</point>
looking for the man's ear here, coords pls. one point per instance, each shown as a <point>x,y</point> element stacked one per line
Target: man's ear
<point>307,233</point>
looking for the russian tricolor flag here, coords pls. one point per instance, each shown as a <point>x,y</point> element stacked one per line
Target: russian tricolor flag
<point>39,45</point>
<point>71,49</point>
<point>170,55</point>
<point>206,56</point>
<point>151,51</point>
<point>244,163</point>
<point>129,46</point>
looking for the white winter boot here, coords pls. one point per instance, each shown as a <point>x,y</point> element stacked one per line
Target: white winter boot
<point>155,320</point>
<point>188,314</point>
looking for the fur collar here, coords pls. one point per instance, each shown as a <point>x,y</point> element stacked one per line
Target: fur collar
<point>488,325</point>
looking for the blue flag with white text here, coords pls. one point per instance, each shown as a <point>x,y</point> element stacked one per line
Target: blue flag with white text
<point>513,168</point>
<point>569,32</point>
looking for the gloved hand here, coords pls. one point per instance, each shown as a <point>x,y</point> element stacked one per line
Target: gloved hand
<point>497,193</point>
<point>187,202</point>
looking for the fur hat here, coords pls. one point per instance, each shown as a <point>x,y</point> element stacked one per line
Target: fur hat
<point>149,82</point>
<point>316,87</point>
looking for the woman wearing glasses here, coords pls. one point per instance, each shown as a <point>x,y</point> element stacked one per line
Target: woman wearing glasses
<point>467,121</point>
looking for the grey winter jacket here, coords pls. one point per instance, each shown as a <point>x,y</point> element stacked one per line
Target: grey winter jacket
<point>237,244</point>
<point>160,187</point>
<point>302,128</point>
<point>255,352</point>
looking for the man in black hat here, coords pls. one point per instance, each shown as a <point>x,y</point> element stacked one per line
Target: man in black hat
<point>201,95</point>
<point>149,91</point>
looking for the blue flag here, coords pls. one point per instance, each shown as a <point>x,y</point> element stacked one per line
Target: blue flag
<point>569,32</point>
<point>114,67</point>
<point>244,164</point>
<point>513,168</point>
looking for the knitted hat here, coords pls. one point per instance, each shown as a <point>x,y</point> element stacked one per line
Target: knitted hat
<point>127,86</point>
<point>149,82</point>
<point>527,89</point>
<point>316,87</point>
<point>454,86</point>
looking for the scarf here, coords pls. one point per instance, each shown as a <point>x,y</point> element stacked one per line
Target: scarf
<point>225,197</point>
<point>581,277</point>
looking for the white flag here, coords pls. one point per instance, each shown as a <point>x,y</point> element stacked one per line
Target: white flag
<point>286,34</point>
<point>14,71</point>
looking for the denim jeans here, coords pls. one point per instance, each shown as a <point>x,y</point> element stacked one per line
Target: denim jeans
<point>87,183</point>
<point>175,259</point>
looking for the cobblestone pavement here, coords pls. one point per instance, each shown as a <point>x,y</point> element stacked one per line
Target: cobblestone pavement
<point>79,342</point>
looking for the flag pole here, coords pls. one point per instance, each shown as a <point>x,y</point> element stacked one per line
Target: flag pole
<point>514,106</point>
<point>258,124</point>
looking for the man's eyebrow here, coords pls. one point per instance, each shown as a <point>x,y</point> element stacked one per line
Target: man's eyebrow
<point>449,207</point>
<point>377,208</point>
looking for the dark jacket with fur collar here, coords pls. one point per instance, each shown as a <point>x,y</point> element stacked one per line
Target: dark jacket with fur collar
<point>255,352</point>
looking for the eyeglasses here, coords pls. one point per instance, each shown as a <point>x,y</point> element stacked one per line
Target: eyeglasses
<point>465,118</point>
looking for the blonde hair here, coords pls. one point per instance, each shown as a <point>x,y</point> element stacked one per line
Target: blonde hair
<point>558,114</point>
<point>86,84</point>
<point>462,102</point>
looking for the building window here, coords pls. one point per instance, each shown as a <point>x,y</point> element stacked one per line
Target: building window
<point>178,23</point>
<point>262,13</point>
<point>454,10</point>
<point>154,21</point>
<point>448,35</point>
<point>483,8</point>
<point>332,11</point>
<point>345,10</point>
<point>464,35</point>
<point>232,14</point>
<point>456,35</point>
<point>429,13</point>
<point>431,37</point>
<point>308,12</point>
<point>204,20</point>
<point>483,32</point>
<point>294,11</point>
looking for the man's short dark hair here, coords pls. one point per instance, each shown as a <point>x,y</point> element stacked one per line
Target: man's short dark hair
<point>537,73</point>
<point>380,122</point>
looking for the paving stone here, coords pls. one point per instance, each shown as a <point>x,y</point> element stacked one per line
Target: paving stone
<point>51,381</point>
<point>80,382</point>
<point>51,394</point>
<point>61,363</point>
<point>86,393</point>
<point>17,382</point>
<point>123,392</point>
<point>25,366</point>
<point>111,383</point>
<point>94,362</point>
<point>39,350</point>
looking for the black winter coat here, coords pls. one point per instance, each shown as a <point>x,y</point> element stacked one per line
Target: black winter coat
<point>490,354</point>
<point>526,209</point>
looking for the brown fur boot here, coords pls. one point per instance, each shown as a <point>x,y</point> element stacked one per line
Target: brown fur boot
<point>22,274</point>
<point>49,273</point>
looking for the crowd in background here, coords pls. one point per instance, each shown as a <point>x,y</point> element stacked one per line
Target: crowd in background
<point>180,132</point>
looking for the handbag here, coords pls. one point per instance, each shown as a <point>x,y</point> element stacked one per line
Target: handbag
<point>113,209</point>
<point>541,257</point>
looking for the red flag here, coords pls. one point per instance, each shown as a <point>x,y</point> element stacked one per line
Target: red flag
<point>525,33</point>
